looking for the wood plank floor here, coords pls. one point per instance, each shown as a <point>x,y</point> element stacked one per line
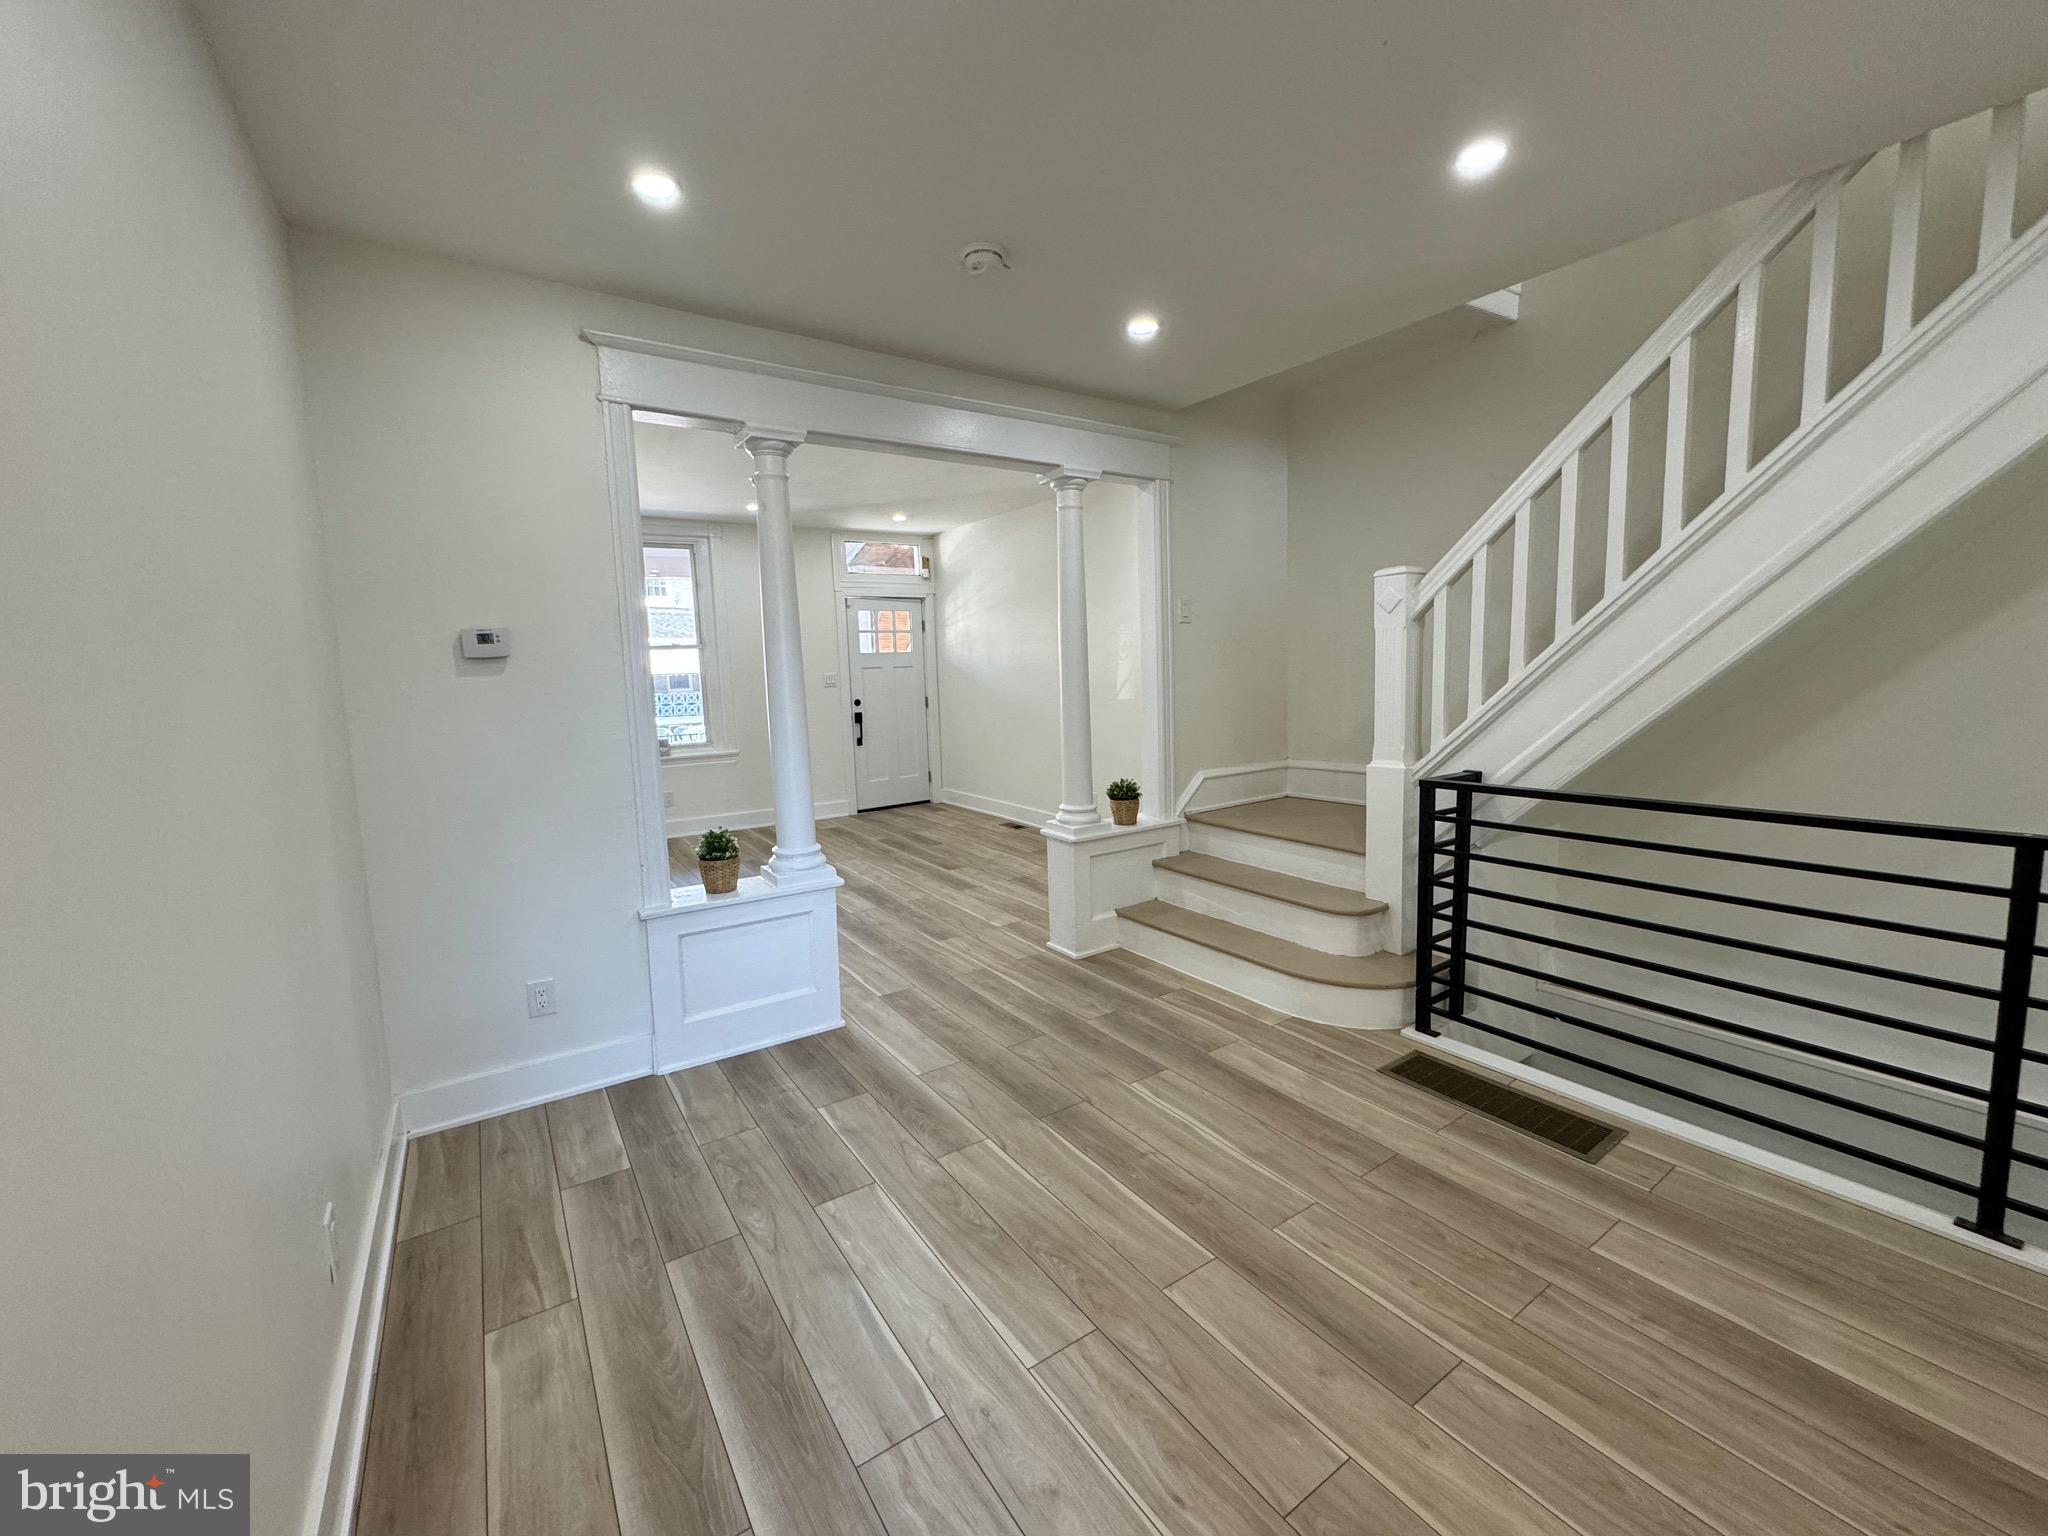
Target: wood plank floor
<point>1037,1246</point>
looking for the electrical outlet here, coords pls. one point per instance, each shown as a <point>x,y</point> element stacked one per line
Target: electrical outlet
<point>327,1235</point>
<point>540,998</point>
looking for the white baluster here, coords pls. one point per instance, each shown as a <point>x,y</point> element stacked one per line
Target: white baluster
<point>1518,597</point>
<point>1902,276</point>
<point>1820,303</point>
<point>2001,178</point>
<point>1742,375</point>
<point>1439,663</point>
<point>1617,498</point>
<point>1677,434</point>
<point>1567,543</point>
<point>1475,659</point>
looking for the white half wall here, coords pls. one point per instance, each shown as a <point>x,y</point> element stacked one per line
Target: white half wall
<point>998,650</point>
<point>194,1063</point>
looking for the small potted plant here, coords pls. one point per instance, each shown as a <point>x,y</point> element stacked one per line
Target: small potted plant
<point>1123,802</point>
<point>718,861</point>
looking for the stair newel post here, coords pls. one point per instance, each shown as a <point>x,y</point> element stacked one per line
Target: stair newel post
<point>1461,883</point>
<point>2001,1113</point>
<point>1425,908</point>
<point>1390,826</point>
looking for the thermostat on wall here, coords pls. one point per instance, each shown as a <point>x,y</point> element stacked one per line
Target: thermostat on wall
<point>477,644</point>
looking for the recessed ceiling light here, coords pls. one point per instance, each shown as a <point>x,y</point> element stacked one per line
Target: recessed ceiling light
<point>1481,158</point>
<point>657,189</point>
<point>753,506</point>
<point>1142,327</point>
<point>899,517</point>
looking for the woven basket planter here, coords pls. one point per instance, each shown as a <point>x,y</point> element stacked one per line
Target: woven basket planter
<point>721,876</point>
<point>1124,812</point>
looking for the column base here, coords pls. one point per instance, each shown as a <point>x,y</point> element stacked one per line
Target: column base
<point>1078,816</point>
<point>798,868</point>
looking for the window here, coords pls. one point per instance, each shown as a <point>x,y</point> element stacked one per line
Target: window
<point>882,557</point>
<point>677,584</point>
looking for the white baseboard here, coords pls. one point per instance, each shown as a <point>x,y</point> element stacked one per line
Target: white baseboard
<point>1740,1151</point>
<point>1003,810</point>
<point>1213,788</point>
<point>1342,782</point>
<point>331,1500</point>
<point>740,821</point>
<point>503,1089</point>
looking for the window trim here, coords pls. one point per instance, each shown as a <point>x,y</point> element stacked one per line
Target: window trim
<point>699,539</point>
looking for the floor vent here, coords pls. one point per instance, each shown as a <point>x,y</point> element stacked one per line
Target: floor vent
<point>1574,1133</point>
<point>1014,826</point>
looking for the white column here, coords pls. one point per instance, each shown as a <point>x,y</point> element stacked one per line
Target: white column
<point>797,860</point>
<point>1390,832</point>
<point>1077,754</point>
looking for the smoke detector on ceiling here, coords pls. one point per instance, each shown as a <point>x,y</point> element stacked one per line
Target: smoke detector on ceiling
<point>982,257</point>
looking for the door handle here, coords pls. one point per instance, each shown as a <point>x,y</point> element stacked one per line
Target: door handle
<point>859,733</point>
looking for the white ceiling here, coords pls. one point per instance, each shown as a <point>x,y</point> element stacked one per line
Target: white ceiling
<point>693,472</point>
<point>1270,176</point>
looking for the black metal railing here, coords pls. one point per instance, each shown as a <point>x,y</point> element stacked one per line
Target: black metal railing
<point>1984,1022</point>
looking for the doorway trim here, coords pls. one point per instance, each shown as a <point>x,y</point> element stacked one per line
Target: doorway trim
<point>721,391</point>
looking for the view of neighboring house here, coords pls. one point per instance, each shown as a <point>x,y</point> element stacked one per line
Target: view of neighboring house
<point>1024,770</point>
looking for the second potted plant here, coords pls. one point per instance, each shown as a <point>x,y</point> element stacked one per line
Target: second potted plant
<point>718,861</point>
<point>1123,802</point>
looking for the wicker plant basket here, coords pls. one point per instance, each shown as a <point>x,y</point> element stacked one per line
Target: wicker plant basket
<point>721,876</point>
<point>1124,812</point>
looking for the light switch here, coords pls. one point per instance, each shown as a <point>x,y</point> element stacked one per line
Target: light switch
<point>831,679</point>
<point>1184,610</point>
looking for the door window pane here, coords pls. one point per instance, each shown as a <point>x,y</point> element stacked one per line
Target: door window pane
<point>866,619</point>
<point>867,645</point>
<point>902,619</point>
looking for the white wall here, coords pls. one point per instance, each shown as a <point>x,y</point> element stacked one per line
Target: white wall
<point>1230,511</point>
<point>460,458</point>
<point>740,792</point>
<point>190,1026</point>
<point>998,650</point>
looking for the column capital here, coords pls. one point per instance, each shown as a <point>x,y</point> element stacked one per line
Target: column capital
<point>760,437</point>
<point>1068,478</point>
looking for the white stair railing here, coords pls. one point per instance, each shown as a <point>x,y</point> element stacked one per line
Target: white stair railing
<point>1421,623</point>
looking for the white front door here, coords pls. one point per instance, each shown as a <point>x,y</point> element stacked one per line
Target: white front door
<point>885,646</point>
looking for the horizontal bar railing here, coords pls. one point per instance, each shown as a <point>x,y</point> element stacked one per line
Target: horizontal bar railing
<point>1449,989</point>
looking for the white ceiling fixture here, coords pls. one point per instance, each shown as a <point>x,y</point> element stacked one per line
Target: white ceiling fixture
<point>753,506</point>
<point>657,189</point>
<point>982,258</point>
<point>1481,158</point>
<point>899,517</point>
<point>1142,327</point>
<point>1252,184</point>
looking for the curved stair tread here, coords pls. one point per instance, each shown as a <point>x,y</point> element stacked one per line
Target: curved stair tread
<point>1319,823</point>
<point>1292,889</point>
<point>1377,972</point>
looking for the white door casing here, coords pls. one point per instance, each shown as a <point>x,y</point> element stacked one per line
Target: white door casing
<point>888,702</point>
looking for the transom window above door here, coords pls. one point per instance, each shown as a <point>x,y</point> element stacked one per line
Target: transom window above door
<point>884,631</point>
